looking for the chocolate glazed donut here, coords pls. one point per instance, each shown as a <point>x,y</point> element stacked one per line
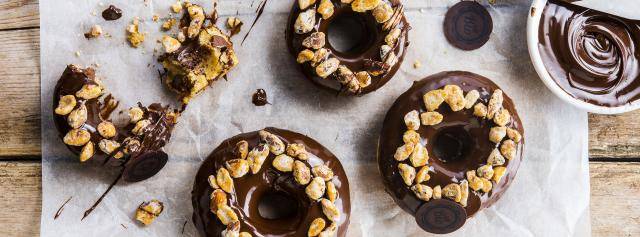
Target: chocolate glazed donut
<point>82,118</point>
<point>464,149</point>
<point>360,68</point>
<point>591,55</point>
<point>269,199</point>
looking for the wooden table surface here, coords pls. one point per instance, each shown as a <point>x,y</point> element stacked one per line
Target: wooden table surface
<point>614,140</point>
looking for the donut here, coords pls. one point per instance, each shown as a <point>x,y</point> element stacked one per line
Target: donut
<point>82,117</point>
<point>271,182</point>
<point>452,143</point>
<point>378,31</point>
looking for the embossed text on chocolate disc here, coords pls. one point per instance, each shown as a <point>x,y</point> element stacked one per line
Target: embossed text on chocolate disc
<point>467,25</point>
<point>441,216</point>
<point>144,166</point>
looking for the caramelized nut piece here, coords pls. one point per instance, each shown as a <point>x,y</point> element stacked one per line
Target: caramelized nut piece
<point>297,150</point>
<point>245,234</point>
<point>392,37</point>
<point>237,167</point>
<point>412,120</point>
<point>327,67</point>
<point>407,173</point>
<point>212,182</point>
<point>89,91</point>
<point>96,30</point>
<point>135,114</point>
<point>226,215</point>
<point>471,98</point>
<point>109,146</point>
<point>319,56</point>
<point>364,5</point>
<point>323,172</point>
<point>170,44</point>
<point>314,41</point>
<point>508,149</point>
<point>176,7</point>
<point>423,175</point>
<point>316,227</point>
<point>140,127</point>
<point>305,56</point>
<point>232,230</point>
<point>486,185</point>
<point>485,171</point>
<point>495,158</point>
<point>303,4</point>
<point>196,14</point>
<point>423,192</point>
<point>353,86</point>
<point>224,180</point>
<point>76,137</point>
<point>475,182</point>
<point>344,75</point>
<point>330,231</point>
<point>257,156</point>
<point>495,103</point>
<point>106,129</point>
<point>502,117</point>
<point>305,22</point>
<point>218,199</point>
<point>330,210</point>
<point>437,192</point>
<point>383,12</point>
<point>455,97</point>
<point>403,152</point>
<point>315,189</point>
<point>364,79</point>
<point>66,105</point>
<point>233,22</point>
<point>332,192</point>
<point>433,99</point>
<point>87,152</point>
<point>496,134</point>
<point>78,116</point>
<point>301,172</point>
<point>276,146</point>
<point>431,118</point>
<point>131,145</point>
<point>411,136</point>
<point>168,24</point>
<point>283,163</point>
<point>464,189</point>
<point>480,110</point>
<point>514,135</point>
<point>148,211</point>
<point>325,8</point>
<point>420,156</point>
<point>453,192</point>
<point>241,149</point>
<point>498,172</point>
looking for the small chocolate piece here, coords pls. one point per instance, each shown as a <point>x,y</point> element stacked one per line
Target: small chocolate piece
<point>112,13</point>
<point>259,98</point>
<point>144,166</point>
<point>441,216</point>
<point>467,25</point>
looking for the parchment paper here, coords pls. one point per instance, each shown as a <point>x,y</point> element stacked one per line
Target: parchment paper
<point>549,197</point>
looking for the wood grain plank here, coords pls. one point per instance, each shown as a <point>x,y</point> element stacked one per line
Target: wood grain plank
<point>16,14</point>
<point>20,198</point>
<point>614,136</point>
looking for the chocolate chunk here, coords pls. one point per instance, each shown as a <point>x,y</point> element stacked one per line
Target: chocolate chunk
<point>112,13</point>
<point>441,216</point>
<point>259,98</point>
<point>467,25</point>
<point>144,166</point>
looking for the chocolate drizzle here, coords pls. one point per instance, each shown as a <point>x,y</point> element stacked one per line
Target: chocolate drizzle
<point>252,188</point>
<point>591,55</point>
<point>59,211</point>
<point>446,170</point>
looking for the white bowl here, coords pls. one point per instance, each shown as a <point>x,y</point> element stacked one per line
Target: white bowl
<point>533,22</point>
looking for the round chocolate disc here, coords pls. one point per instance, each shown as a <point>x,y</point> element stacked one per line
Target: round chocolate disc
<point>441,216</point>
<point>144,166</point>
<point>467,25</point>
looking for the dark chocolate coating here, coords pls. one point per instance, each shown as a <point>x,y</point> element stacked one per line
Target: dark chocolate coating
<point>445,172</point>
<point>250,188</point>
<point>441,216</point>
<point>467,25</point>
<point>593,56</point>
<point>355,62</point>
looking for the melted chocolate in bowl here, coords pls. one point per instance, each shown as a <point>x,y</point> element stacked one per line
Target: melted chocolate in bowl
<point>268,203</point>
<point>459,143</point>
<point>591,55</point>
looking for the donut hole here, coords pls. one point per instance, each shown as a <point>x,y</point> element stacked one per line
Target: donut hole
<point>351,33</point>
<point>277,205</point>
<point>453,144</point>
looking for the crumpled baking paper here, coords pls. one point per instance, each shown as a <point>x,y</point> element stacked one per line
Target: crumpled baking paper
<point>549,197</point>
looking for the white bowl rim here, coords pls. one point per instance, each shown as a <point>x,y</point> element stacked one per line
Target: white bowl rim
<point>533,22</point>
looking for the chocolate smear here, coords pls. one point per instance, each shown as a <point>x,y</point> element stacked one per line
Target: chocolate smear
<point>260,10</point>
<point>93,207</point>
<point>61,208</point>
<point>112,13</point>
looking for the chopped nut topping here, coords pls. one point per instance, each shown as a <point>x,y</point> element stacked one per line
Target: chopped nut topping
<point>95,31</point>
<point>330,210</point>
<point>170,44</point>
<point>245,234</point>
<point>327,67</point>
<point>464,189</point>
<point>392,37</point>
<point>412,120</point>
<point>502,117</point>
<point>276,146</point>
<point>346,1</point>
<point>226,215</point>
<point>411,136</point>
<point>176,7</point>
<point>486,185</point>
<point>433,99</point>
<point>305,56</point>
<point>134,36</point>
<point>168,24</point>
<point>475,183</point>
<point>417,64</point>
<point>224,180</point>
<point>498,172</point>
<point>495,158</point>
<point>419,156</point>
<point>241,149</point>
<point>514,135</point>
<point>212,182</point>
<point>87,152</point>
<point>403,152</point>
<point>332,192</point>
<point>383,12</point>
<point>89,91</point>
<point>423,175</point>
<point>330,231</point>
<point>283,163</point>
<point>431,118</point>
<point>453,192</point>
<point>196,14</point>
<point>508,149</point>
<point>315,189</point>
<point>495,103</point>
<point>353,86</point>
<point>316,227</point>
<point>234,23</point>
<point>218,199</point>
<point>480,110</point>
<point>315,40</point>
<point>319,56</point>
<point>76,137</point>
<point>78,117</point>
<point>305,22</point>
<point>131,145</point>
<point>471,98</point>
<point>398,14</point>
<point>257,156</point>
<point>135,114</point>
<point>485,171</point>
<point>423,192</point>
<point>325,9</point>
<point>301,172</point>
<point>455,97</point>
<point>408,173</point>
<point>364,5</point>
<point>375,68</point>
<point>141,126</point>
<point>106,129</point>
<point>297,150</point>
<point>232,230</point>
<point>344,75</point>
<point>437,192</point>
<point>303,4</point>
<point>496,134</point>
<point>66,105</point>
<point>148,211</point>
<point>364,79</point>
<point>109,146</point>
<point>237,167</point>
<point>322,171</point>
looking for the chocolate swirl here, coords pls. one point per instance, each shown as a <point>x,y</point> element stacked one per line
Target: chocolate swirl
<point>591,55</point>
